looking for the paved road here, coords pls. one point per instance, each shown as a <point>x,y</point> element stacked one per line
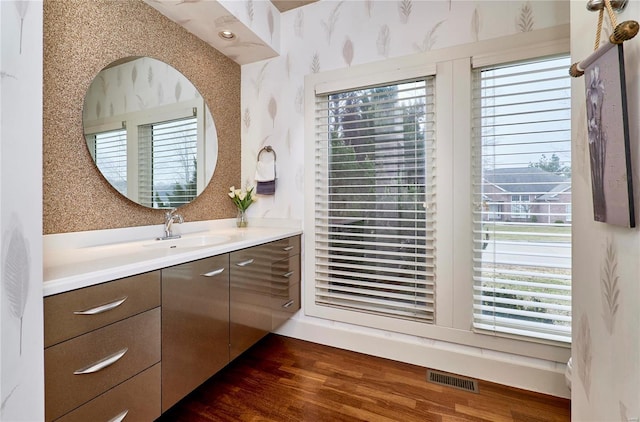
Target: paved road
<point>522,251</point>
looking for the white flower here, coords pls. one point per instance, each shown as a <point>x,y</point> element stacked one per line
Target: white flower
<point>242,198</point>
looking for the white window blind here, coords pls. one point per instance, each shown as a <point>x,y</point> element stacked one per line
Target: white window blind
<point>109,151</point>
<point>522,199</point>
<point>167,163</point>
<point>374,200</point>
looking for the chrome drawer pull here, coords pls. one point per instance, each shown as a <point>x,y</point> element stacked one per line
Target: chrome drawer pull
<point>288,304</point>
<point>119,417</point>
<point>245,263</point>
<point>287,249</point>
<point>102,308</point>
<point>213,273</point>
<point>289,274</point>
<point>101,364</point>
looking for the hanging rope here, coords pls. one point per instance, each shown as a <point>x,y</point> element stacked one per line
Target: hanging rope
<point>612,19</point>
<point>612,16</point>
<point>598,30</point>
<point>623,32</point>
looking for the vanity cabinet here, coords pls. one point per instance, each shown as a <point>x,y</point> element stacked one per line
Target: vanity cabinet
<point>104,343</point>
<point>98,338</point>
<point>195,325</point>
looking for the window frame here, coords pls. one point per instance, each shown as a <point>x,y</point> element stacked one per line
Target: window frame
<point>134,120</point>
<point>91,139</point>
<point>328,86</point>
<point>504,304</point>
<point>342,280</point>
<point>452,68</point>
<point>147,133</point>
<point>519,208</point>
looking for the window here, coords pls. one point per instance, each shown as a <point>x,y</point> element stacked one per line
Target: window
<point>109,151</point>
<point>522,148</point>
<point>374,236</point>
<point>151,156</point>
<point>471,247</point>
<point>520,206</point>
<point>167,163</point>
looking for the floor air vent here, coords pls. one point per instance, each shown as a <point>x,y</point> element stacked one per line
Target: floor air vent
<point>454,381</point>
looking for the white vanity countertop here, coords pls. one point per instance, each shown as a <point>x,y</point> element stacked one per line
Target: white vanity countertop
<point>76,260</point>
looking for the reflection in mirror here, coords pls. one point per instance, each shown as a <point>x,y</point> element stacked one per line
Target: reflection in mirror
<point>150,132</point>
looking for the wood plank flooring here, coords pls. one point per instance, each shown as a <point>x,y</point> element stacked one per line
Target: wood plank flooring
<point>283,379</point>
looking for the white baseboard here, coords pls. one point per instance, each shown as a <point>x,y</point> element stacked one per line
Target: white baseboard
<point>511,370</point>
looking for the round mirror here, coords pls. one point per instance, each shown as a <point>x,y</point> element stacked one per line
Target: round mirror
<point>150,132</point>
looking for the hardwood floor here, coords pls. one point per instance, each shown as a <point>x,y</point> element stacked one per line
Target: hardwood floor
<point>284,379</point>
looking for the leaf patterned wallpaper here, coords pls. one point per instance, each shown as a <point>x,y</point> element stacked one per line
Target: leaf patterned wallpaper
<point>205,18</point>
<point>610,289</point>
<point>606,270</point>
<point>605,354</point>
<point>144,84</point>
<point>21,344</point>
<point>336,34</point>
<point>134,86</point>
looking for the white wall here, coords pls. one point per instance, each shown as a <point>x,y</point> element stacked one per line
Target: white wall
<point>330,35</point>
<point>21,350</point>
<point>606,337</point>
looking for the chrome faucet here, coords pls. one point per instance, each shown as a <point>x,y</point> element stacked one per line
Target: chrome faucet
<point>171,217</point>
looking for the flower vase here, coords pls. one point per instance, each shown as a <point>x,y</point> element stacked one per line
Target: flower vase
<point>241,219</point>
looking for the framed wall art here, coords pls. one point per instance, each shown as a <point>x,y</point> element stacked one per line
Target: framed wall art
<point>608,138</point>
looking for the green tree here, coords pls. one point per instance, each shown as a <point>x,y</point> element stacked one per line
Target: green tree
<point>552,165</point>
<point>158,202</point>
<point>183,193</point>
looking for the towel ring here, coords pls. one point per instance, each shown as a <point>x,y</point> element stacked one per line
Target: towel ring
<point>268,149</point>
<point>266,187</point>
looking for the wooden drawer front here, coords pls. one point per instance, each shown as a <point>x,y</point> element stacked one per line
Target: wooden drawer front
<point>284,307</point>
<point>138,398</point>
<point>64,390</point>
<point>62,322</point>
<point>285,273</point>
<point>195,325</point>
<point>250,298</point>
<point>284,248</point>
<point>285,300</point>
<point>250,270</point>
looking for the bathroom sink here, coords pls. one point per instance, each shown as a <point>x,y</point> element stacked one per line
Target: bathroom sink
<point>187,242</point>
